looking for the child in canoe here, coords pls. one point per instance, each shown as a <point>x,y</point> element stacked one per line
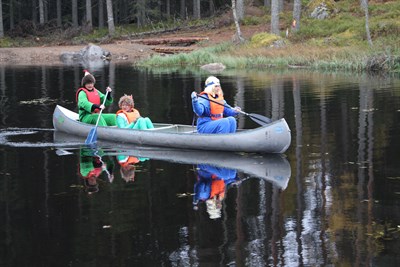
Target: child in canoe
<point>129,117</point>
<point>90,102</point>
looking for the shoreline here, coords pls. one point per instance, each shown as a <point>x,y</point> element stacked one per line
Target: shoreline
<point>121,52</point>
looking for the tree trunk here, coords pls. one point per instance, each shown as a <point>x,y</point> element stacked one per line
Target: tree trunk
<point>140,13</point>
<point>275,17</point>
<point>46,11</point>
<point>364,5</point>
<point>89,21</point>
<point>196,9</point>
<point>34,12</point>
<point>41,12</point>
<point>101,13</point>
<point>75,14</point>
<point>1,20</point>
<point>59,19</point>
<point>110,18</point>
<point>168,9</point>
<point>238,36</point>
<point>267,3</point>
<point>296,15</point>
<point>240,9</point>
<point>11,11</point>
<point>183,9</point>
<point>281,5</point>
<point>211,7</point>
<point>123,12</point>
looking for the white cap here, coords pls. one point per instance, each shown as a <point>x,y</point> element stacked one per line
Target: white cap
<point>212,80</point>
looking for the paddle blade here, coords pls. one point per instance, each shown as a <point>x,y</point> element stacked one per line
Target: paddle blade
<point>260,119</point>
<point>92,137</point>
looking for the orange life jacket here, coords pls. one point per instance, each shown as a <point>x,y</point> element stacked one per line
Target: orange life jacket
<point>130,160</point>
<point>92,96</point>
<point>217,111</point>
<point>217,188</point>
<point>131,116</point>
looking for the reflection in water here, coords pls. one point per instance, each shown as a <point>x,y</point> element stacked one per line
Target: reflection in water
<point>340,208</point>
<point>365,156</point>
<point>91,165</point>
<point>128,166</point>
<point>210,187</point>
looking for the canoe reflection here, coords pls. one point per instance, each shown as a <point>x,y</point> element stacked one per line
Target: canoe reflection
<point>273,168</point>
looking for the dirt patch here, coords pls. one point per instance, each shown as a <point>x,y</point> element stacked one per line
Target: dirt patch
<point>50,55</point>
<point>122,50</point>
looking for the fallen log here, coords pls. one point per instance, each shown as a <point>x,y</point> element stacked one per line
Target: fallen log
<point>175,41</point>
<point>172,50</point>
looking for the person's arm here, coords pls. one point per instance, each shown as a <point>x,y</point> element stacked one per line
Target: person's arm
<point>229,111</point>
<point>137,113</point>
<point>200,105</point>
<point>109,99</point>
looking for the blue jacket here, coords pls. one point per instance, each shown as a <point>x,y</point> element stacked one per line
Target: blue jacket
<point>202,108</point>
<point>202,187</point>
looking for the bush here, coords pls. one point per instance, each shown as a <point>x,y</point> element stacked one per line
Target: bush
<point>263,39</point>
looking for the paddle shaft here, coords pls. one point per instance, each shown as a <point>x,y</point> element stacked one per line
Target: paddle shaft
<point>216,102</point>
<point>259,119</point>
<point>101,110</point>
<point>92,136</point>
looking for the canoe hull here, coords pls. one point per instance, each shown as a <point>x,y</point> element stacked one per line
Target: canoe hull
<point>273,138</point>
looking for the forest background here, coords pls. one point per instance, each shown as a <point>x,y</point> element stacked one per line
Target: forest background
<point>323,34</point>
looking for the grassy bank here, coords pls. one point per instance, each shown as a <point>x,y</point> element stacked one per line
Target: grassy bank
<point>338,42</point>
<point>294,56</point>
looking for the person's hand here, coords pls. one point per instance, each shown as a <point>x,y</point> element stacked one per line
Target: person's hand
<point>108,89</point>
<point>102,106</point>
<point>193,95</point>
<point>237,109</point>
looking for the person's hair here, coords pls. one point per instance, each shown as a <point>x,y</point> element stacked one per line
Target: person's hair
<point>128,99</point>
<point>88,78</point>
<point>128,174</point>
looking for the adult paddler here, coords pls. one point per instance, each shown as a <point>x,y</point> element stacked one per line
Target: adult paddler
<point>214,114</point>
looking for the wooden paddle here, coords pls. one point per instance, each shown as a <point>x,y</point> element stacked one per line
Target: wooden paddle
<point>92,136</point>
<point>260,119</point>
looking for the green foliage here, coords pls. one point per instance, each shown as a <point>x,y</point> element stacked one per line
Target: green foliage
<point>311,28</point>
<point>263,39</point>
<point>196,58</point>
<point>336,43</point>
<point>316,39</point>
<point>16,42</point>
<point>330,4</point>
<point>387,10</point>
<point>6,42</point>
<point>253,20</point>
<point>95,34</point>
<point>384,28</point>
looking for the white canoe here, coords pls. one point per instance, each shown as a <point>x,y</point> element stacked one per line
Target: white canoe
<point>272,138</point>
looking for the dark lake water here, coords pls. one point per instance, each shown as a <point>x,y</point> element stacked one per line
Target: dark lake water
<point>331,200</point>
